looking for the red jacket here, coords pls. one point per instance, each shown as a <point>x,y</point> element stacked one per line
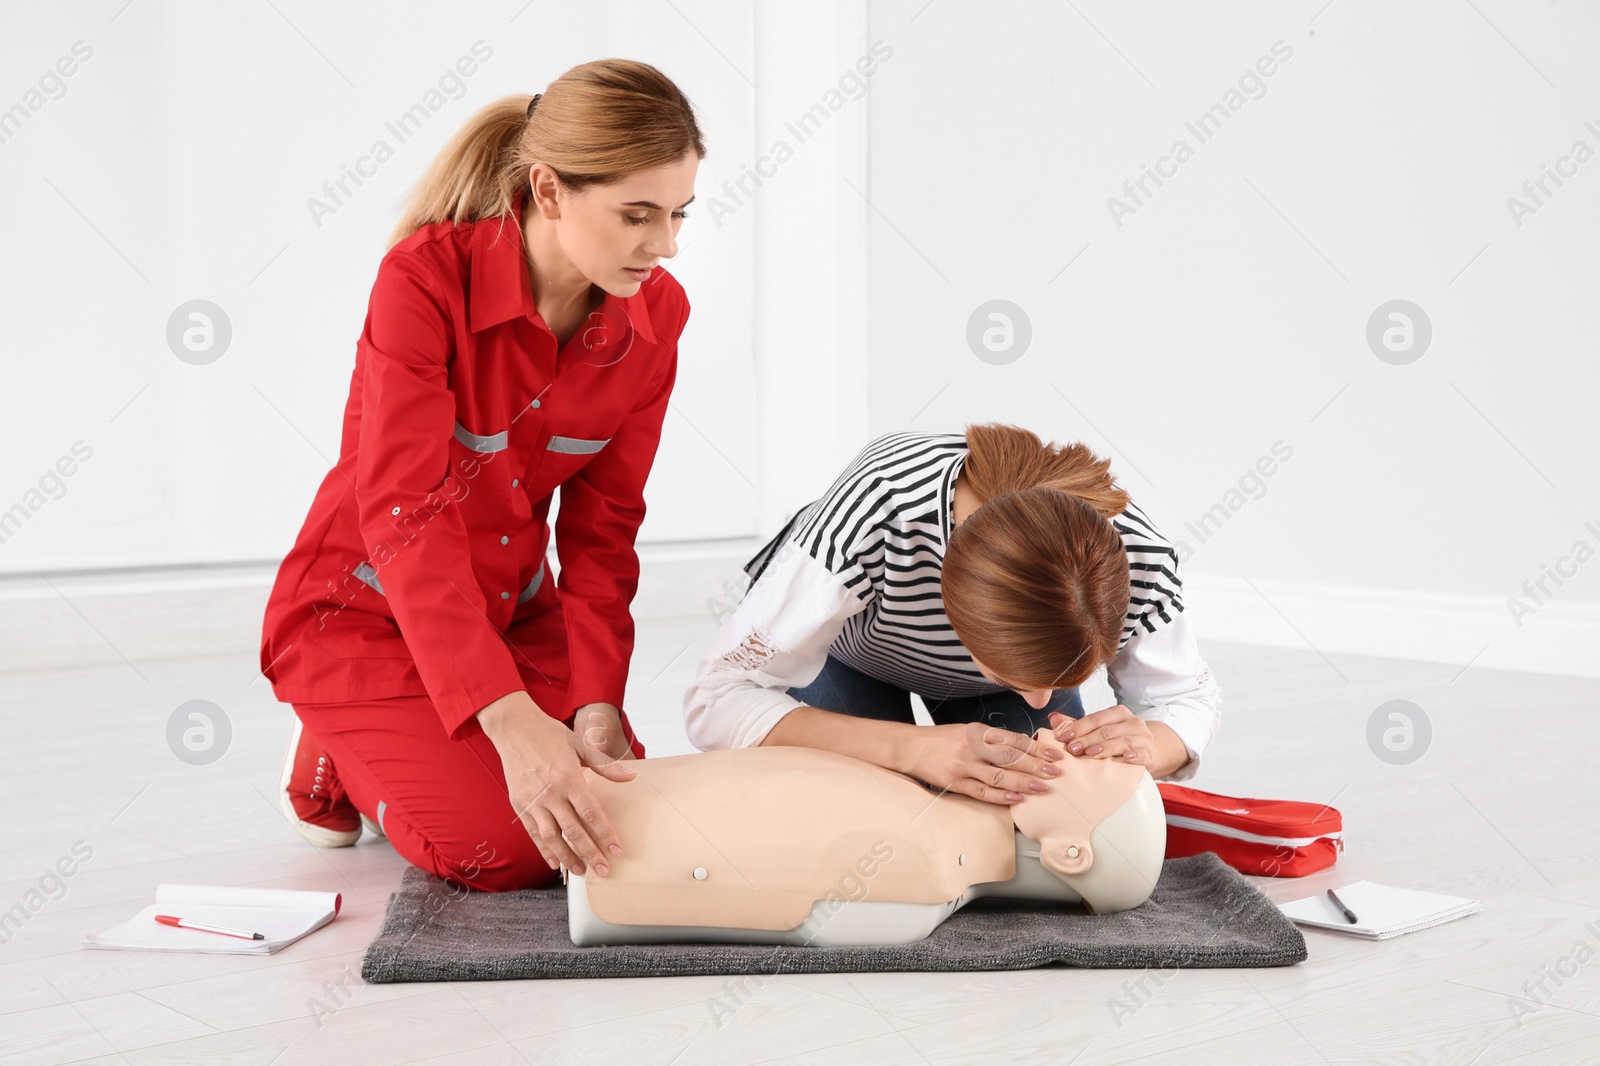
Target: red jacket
<point>420,567</point>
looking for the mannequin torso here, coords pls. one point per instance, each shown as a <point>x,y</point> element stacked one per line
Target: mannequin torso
<point>799,845</point>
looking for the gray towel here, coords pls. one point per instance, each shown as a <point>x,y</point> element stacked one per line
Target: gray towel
<point>1202,913</point>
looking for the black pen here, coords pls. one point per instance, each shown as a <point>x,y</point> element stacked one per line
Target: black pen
<point>1350,915</point>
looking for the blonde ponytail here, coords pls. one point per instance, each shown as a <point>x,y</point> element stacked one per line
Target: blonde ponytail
<point>595,124</point>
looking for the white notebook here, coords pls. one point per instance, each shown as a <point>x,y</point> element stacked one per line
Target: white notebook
<point>1382,911</point>
<point>282,915</point>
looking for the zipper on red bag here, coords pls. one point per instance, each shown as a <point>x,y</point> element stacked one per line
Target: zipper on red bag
<point>1200,825</point>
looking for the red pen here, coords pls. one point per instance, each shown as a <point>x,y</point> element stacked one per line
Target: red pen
<point>167,919</point>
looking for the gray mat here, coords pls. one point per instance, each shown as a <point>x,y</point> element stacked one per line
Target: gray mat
<point>1202,914</point>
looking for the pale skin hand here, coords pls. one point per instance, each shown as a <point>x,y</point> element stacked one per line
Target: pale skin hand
<point>982,761</point>
<point>1117,733</point>
<point>601,739</point>
<point>985,762</point>
<point>544,762</point>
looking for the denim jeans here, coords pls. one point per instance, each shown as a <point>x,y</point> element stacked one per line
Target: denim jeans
<point>844,689</point>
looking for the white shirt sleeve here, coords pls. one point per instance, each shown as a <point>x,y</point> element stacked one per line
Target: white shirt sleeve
<point>1161,677</point>
<point>777,638</point>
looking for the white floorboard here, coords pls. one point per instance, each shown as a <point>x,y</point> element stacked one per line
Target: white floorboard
<point>1501,808</point>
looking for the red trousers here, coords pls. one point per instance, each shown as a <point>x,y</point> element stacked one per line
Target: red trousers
<point>443,803</point>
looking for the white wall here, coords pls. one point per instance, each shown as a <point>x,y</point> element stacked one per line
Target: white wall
<point>1229,312</point>
<point>178,165</point>
<point>1224,315</point>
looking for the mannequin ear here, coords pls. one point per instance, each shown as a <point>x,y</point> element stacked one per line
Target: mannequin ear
<point>1066,855</point>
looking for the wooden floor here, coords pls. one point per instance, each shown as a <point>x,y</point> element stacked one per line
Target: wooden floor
<point>1501,808</point>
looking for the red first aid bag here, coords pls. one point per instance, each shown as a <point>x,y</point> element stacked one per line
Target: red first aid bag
<point>1263,837</point>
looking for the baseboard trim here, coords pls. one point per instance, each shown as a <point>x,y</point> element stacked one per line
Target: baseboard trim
<point>61,620</point>
<point>1459,630</point>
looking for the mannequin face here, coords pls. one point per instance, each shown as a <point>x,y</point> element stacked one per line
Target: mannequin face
<point>591,237</point>
<point>1087,793</point>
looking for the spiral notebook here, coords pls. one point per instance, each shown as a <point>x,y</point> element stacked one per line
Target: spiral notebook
<point>281,915</point>
<point>1382,911</point>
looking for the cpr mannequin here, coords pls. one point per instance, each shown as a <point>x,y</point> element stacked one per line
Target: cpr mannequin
<point>794,845</point>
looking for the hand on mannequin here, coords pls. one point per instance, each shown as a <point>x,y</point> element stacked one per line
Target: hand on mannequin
<point>981,761</point>
<point>1118,733</point>
<point>598,727</point>
<point>544,761</point>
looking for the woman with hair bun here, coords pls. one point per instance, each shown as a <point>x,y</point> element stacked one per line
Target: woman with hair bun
<point>991,574</point>
<point>522,336</point>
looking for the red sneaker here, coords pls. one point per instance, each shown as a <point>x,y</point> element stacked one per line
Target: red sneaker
<point>311,796</point>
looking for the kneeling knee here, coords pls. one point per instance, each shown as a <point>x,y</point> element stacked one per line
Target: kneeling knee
<point>508,877</point>
<point>496,871</point>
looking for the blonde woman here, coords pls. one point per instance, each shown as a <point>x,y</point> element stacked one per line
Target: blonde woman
<point>991,574</point>
<point>521,336</point>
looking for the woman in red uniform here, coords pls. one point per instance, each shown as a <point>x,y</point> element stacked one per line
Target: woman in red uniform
<point>521,336</point>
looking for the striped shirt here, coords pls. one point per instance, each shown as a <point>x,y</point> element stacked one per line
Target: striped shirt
<point>856,574</point>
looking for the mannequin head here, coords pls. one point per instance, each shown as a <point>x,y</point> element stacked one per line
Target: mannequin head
<point>1101,829</point>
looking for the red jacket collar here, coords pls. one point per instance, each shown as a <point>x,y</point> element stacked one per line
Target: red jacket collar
<point>502,289</point>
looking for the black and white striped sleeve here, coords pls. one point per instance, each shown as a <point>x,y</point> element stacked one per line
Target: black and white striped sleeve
<point>1159,672</point>
<point>844,530</point>
<point>1155,583</point>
